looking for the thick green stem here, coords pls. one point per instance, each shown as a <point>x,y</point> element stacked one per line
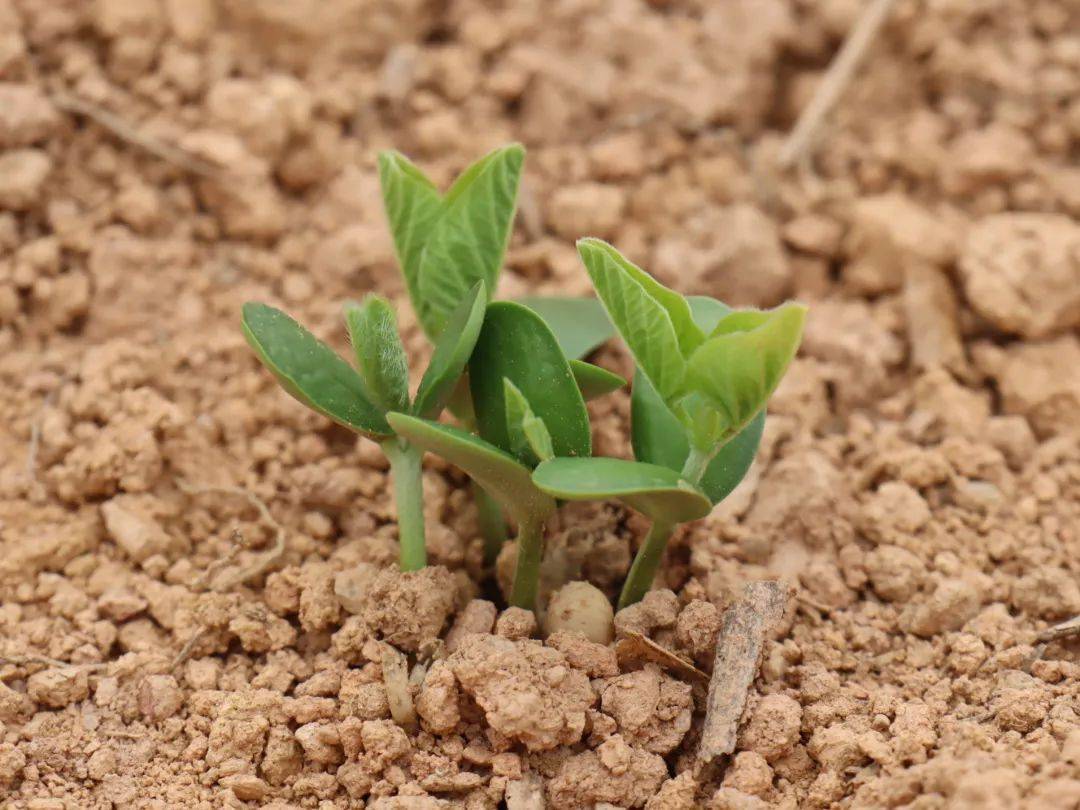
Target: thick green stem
<point>406,472</point>
<point>530,542</point>
<point>492,522</point>
<point>643,571</point>
<point>696,464</point>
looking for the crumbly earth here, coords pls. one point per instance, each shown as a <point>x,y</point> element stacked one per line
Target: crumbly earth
<point>918,484</point>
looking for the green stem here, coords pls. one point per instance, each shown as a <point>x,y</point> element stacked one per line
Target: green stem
<point>492,522</point>
<point>406,472</point>
<point>696,464</point>
<point>643,571</point>
<point>530,542</point>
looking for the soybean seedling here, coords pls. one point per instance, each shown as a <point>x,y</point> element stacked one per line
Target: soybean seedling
<point>529,409</point>
<point>360,398</point>
<point>704,375</point>
<point>446,243</point>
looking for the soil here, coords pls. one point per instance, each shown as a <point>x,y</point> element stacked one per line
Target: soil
<point>163,161</point>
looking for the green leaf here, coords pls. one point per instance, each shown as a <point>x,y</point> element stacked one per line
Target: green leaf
<point>678,308</point>
<point>707,311</point>
<point>644,322</point>
<point>452,351</point>
<point>653,490</point>
<point>659,438</point>
<point>739,366</point>
<point>311,371</point>
<point>509,482</point>
<point>580,324</point>
<point>594,381</point>
<point>468,241</point>
<point>730,465</point>
<point>379,354</point>
<point>516,344</point>
<point>412,205</point>
<point>529,437</point>
<point>656,435</point>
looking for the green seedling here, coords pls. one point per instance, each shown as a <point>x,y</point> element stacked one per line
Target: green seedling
<point>359,398</point>
<point>446,243</point>
<point>529,410</point>
<point>705,373</point>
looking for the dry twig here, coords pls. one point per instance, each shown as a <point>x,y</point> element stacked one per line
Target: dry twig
<point>188,648</point>
<point>837,77</point>
<point>23,660</point>
<point>127,133</point>
<point>1071,627</point>
<point>739,648</point>
<point>265,561</point>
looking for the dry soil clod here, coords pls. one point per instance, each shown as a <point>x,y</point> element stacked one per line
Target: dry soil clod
<point>746,625</point>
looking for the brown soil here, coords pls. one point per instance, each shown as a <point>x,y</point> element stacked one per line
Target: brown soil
<point>165,160</point>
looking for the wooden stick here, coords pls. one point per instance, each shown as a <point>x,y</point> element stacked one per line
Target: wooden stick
<point>837,77</point>
<point>739,648</point>
<point>125,132</point>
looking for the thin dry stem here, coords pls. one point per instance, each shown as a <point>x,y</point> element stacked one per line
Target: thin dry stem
<point>23,660</point>
<point>127,133</point>
<point>188,648</point>
<point>265,561</point>
<point>836,80</point>
<point>1070,627</point>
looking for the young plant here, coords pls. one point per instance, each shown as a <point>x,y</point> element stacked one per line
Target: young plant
<point>360,398</point>
<point>446,243</point>
<point>705,373</point>
<point>529,409</point>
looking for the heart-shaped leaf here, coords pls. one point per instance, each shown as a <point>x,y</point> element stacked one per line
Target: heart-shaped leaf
<point>413,205</point>
<point>452,351</point>
<point>580,324</point>
<point>739,366</point>
<point>517,345</point>
<point>499,473</point>
<point>468,240</point>
<point>655,491</point>
<point>654,328</point>
<point>311,371</point>
<point>529,437</point>
<point>594,381</point>
<point>379,354</point>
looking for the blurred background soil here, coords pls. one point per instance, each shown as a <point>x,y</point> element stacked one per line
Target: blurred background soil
<point>163,161</point>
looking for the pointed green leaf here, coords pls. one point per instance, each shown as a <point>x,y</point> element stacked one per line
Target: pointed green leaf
<point>594,381</point>
<point>468,241</point>
<point>379,354</point>
<point>509,482</point>
<point>452,351</point>
<point>529,437</point>
<point>516,344</point>
<point>653,490</point>
<point>644,323</point>
<point>678,308</point>
<point>580,324</point>
<point>741,363</point>
<point>412,206</point>
<point>311,371</point>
